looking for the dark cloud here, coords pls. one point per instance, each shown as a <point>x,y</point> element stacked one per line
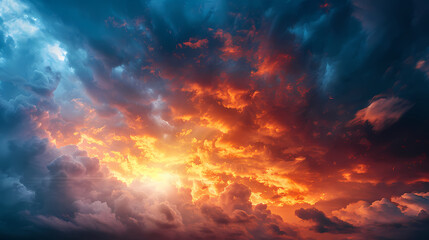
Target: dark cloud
<point>332,94</point>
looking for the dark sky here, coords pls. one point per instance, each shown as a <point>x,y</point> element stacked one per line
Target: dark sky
<point>204,119</point>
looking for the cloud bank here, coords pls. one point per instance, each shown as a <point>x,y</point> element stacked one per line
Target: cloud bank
<point>214,119</point>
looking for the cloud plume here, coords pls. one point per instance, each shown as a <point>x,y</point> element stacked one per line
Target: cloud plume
<point>183,119</point>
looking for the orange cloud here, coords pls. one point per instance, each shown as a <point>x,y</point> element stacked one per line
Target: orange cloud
<point>193,43</point>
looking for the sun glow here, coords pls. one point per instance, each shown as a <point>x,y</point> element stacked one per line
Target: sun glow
<point>194,156</point>
<point>190,162</point>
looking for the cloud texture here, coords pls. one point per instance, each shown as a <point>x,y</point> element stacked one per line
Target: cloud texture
<point>214,119</point>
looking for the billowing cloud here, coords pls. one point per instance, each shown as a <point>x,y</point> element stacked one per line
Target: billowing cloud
<point>213,119</point>
<point>396,218</point>
<point>398,209</point>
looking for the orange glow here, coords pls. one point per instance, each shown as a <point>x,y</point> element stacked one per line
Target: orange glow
<point>206,148</point>
<point>192,160</point>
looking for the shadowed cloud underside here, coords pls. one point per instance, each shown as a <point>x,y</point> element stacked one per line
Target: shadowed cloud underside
<point>214,119</point>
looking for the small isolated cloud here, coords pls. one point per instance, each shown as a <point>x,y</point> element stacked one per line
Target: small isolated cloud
<point>192,43</point>
<point>382,112</point>
<point>323,224</point>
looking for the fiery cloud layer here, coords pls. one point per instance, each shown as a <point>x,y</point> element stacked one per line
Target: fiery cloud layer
<point>214,119</point>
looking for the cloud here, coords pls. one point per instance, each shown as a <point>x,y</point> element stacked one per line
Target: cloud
<point>184,115</point>
<point>236,197</point>
<point>323,223</point>
<point>382,112</point>
<point>95,216</point>
<point>413,203</point>
<point>401,217</point>
<point>196,43</point>
<point>361,213</point>
<point>80,197</point>
<point>397,210</point>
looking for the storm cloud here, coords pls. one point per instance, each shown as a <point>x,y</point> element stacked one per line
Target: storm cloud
<point>214,119</point>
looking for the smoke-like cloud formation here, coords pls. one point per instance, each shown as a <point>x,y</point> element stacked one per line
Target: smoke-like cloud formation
<point>382,113</point>
<point>323,223</point>
<point>214,119</point>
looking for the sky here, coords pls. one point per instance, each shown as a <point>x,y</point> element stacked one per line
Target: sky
<point>205,119</point>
